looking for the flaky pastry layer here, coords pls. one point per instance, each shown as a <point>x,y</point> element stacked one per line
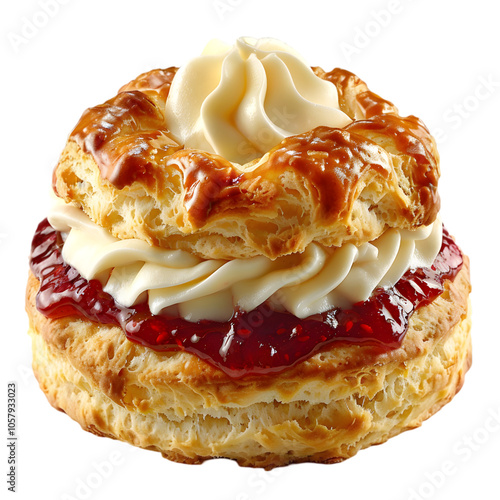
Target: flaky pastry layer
<point>323,409</point>
<point>328,185</point>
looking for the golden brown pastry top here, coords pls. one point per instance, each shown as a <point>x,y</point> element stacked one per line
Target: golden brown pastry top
<point>327,185</point>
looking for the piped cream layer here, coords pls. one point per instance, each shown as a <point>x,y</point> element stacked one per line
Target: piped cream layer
<point>240,101</point>
<point>178,283</point>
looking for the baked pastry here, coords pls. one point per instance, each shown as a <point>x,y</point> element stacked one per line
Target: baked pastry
<point>245,260</point>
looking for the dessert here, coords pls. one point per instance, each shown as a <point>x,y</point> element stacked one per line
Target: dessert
<point>245,260</point>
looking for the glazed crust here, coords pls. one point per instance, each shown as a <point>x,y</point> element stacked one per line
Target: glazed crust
<point>331,186</point>
<point>324,409</point>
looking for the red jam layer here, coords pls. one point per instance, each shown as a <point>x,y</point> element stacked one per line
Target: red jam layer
<point>258,342</point>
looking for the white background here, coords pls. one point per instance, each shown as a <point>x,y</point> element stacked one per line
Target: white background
<point>436,59</point>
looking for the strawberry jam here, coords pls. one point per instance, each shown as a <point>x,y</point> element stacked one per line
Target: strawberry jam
<point>256,342</point>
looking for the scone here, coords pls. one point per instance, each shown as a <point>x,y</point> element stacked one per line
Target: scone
<point>245,259</point>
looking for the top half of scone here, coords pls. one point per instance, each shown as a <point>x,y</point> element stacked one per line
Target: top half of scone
<point>246,151</point>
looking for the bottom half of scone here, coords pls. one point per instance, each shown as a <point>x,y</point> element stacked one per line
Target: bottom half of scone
<point>323,409</point>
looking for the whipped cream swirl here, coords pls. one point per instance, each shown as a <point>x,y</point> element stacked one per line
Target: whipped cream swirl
<point>177,283</point>
<point>241,101</point>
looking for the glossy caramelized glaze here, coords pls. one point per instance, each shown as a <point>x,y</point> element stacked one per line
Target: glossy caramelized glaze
<point>129,140</point>
<point>124,157</point>
<point>258,342</point>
